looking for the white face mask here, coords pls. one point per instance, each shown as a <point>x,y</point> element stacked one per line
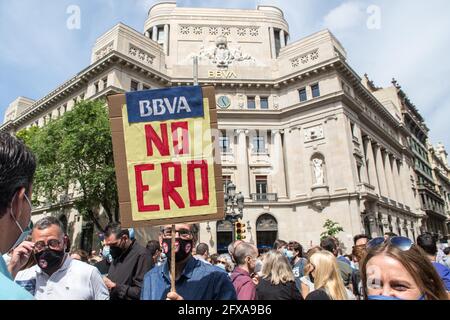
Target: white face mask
<point>24,233</point>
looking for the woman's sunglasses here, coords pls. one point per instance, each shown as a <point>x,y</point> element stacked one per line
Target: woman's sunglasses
<point>402,243</point>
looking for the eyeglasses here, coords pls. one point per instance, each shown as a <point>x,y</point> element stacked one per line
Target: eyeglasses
<point>402,243</point>
<point>184,233</point>
<point>53,244</point>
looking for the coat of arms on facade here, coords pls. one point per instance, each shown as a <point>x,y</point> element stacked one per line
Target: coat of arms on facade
<point>221,55</point>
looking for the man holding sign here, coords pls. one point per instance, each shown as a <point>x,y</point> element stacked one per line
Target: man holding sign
<point>195,279</point>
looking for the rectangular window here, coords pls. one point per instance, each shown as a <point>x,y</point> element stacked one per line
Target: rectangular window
<point>161,35</point>
<point>251,103</point>
<point>96,86</point>
<point>226,180</point>
<point>302,95</point>
<point>315,90</point>
<point>259,143</point>
<point>261,184</point>
<point>224,143</point>
<point>59,112</point>
<point>65,108</point>
<point>134,85</point>
<point>105,82</point>
<point>264,102</point>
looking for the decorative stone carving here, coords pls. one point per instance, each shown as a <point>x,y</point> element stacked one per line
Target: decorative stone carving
<point>213,31</point>
<point>305,58</point>
<point>254,32</point>
<point>104,51</point>
<point>184,30</point>
<point>266,223</point>
<point>221,55</point>
<point>226,31</point>
<point>314,133</point>
<point>140,54</point>
<point>318,171</point>
<point>198,30</point>
<point>241,32</point>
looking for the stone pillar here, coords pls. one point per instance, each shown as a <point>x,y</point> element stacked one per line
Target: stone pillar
<point>380,171</point>
<point>272,43</point>
<point>166,39</point>
<point>371,168</point>
<point>155,33</point>
<point>243,184</point>
<point>279,176</point>
<point>282,39</point>
<point>397,181</point>
<point>147,34</point>
<point>389,177</point>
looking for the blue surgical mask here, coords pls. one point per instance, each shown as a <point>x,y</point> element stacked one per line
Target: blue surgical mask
<point>381,297</point>
<point>221,266</point>
<point>24,233</point>
<point>106,254</point>
<point>289,254</point>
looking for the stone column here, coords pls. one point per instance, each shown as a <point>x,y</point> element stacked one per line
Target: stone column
<point>272,43</point>
<point>243,184</point>
<point>279,176</point>
<point>389,177</point>
<point>166,39</point>
<point>371,168</point>
<point>282,39</point>
<point>155,33</point>
<point>397,181</point>
<point>380,172</point>
<point>147,34</point>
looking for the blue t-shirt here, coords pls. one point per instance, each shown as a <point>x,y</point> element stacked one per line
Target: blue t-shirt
<point>8,289</point>
<point>444,274</point>
<point>198,281</point>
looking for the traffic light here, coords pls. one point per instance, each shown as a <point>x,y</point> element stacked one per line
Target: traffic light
<point>240,230</point>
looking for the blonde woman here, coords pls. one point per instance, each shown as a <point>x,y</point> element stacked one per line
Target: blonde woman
<point>277,279</point>
<point>307,281</point>
<point>328,283</point>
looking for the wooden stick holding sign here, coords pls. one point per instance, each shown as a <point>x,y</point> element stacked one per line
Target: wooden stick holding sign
<point>172,261</point>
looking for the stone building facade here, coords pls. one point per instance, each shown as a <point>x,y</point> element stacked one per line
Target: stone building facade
<point>303,137</point>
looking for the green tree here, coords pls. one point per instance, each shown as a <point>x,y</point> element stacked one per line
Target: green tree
<point>331,229</point>
<point>76,150</point>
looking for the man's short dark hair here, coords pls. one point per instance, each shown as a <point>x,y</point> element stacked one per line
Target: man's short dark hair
<point>279,244</point>
<point>428,243</point>
<point>153,246</point>
<point>47,222</point>
<point>17,167</point>
<point>202,248</point>
<point>360,236</point>
<point>296,247</point>
<point>329,244</point>
<point>447,251</point>
<point>116,229</point>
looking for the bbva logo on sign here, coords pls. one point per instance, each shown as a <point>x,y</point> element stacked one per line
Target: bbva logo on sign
<point>165,104</point>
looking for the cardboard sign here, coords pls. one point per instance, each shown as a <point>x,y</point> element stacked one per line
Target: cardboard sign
<point>166,168</point>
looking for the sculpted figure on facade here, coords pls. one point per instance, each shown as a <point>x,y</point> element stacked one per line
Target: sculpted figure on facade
<point>318,171</point>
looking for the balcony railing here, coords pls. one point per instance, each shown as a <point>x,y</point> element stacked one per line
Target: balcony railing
<point>264,197</point>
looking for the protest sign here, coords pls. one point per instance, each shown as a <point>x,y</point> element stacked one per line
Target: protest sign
<point>164,151</point>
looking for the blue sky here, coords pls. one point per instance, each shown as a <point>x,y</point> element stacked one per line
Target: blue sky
<point>38,52</point>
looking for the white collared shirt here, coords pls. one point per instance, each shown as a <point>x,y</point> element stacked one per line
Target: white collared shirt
<point>75,280</point>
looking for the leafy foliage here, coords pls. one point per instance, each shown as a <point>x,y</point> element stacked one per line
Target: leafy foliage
<point>76,151</point>
<point>331,229</point>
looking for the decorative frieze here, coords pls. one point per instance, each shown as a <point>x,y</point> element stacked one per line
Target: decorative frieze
<point>240,31</point>
<point>104,51</point>
<point>313,133</point>
<point>140,54</point>
<point>305,58</point>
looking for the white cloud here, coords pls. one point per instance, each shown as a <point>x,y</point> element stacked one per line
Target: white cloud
<point>347,15</point>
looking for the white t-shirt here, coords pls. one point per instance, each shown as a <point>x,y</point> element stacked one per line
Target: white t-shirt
<point>75,280</point>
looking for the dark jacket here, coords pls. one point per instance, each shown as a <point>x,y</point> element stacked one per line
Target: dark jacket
<point>243,284</point>
<point>265,290</point>
<point>128,271</point>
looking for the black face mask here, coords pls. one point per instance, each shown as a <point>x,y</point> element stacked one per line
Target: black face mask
<point>183,248</point>
<point>49,260</point>
<point>311,277</point>
<point>115,252</point>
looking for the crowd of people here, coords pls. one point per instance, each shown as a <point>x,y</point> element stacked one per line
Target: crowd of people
<point>36,262</point>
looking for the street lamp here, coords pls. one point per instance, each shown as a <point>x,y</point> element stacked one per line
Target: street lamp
<point>233,201</point>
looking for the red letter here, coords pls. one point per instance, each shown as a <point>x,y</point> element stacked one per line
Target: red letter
<point>184,137</point>
<point>161,144</point>
<point>203,166</point>
<point>168,186</point>
<point>141,188</point>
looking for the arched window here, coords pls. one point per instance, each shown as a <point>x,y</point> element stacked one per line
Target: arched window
<point>224,230</point>
<point>266,231</point>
